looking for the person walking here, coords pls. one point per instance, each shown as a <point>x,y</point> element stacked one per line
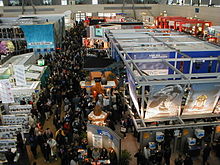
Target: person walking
<point>33,144</point>
<point>206,153</point>
<point>167,155</point>
<point>188,160</point>
<point>46,152</point>
<point>53,146</point>
<point>123,127</point>
<point>179,160</point>
<point>140,157</point>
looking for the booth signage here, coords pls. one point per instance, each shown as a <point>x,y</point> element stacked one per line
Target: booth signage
<point>105,133</point>
<point>152,68</point>
<point>202,98</point>
<point>164,101</point>
<point>39,36</point>
<point>5,91</point>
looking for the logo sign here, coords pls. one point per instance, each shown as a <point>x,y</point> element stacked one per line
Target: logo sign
<point>19,73</point>
<point>105,133</point>
<point>5,91</point>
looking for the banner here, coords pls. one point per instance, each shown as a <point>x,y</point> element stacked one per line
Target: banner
<point>152,68</point>
<point>164,101</point>
<point>5,91</point>
<point>19,73</point>
<point>39,36</point>
<point>202,98</point>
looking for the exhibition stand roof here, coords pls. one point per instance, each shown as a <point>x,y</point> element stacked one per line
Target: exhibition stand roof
<point>182,59</point>
<point>142,40</point>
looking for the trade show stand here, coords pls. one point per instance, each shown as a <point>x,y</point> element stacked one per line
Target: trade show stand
<point>179,86</point>
<point>103,137</point>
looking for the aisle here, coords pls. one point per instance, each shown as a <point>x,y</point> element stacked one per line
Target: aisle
<point>40,158</point>
<point>130,143</point>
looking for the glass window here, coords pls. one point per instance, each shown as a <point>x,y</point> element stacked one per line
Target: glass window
<point>100,14</point>
<point>89,14</point>
<point>1,3</point>
<point>47,2</point>
<point>13,2</point>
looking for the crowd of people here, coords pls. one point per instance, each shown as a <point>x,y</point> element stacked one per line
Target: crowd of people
<point>63,95</point>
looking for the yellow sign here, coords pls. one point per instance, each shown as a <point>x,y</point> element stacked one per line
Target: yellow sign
<point>146,135</point>
<point>185,132</point>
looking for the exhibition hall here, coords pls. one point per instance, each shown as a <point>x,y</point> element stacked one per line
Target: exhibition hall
<point>109,82</point>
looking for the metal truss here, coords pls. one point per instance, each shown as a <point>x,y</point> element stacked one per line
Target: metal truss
<point>142,80</point>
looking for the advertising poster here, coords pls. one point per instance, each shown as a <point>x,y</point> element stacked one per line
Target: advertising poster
<point>152,68</point>
<point>164,101</point>
<point>39,36</point>
<point>97,141</point>
<point>6,94</point>
<point>19,73</point>
<point>202,98</point>
<point>132,90</point>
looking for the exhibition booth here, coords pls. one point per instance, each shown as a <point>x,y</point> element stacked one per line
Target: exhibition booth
<point>213,34</point>
<point>100,87</point>
<point>173,82</point>
<point>96,34</point>
<point>99,83</point>
<point>189,25</point>
<point>103,137</point>
<point>40,32</point>
<point>20,86</point>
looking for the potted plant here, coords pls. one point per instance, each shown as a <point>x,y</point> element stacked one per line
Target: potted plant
<point>125,157</point>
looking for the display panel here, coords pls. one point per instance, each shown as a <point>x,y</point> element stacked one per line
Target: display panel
<point>164,101</point>
<point>132,90</point>
<point>202,98</point>
<point>152,68</point>
<point>98,32</point>
<point>97,141</point>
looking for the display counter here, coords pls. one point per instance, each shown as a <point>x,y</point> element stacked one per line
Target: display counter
<point>83,156</point>
<point>27,92</point>
<point>20,109</point>
<point>18,119</point>
<point>3,159</point>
